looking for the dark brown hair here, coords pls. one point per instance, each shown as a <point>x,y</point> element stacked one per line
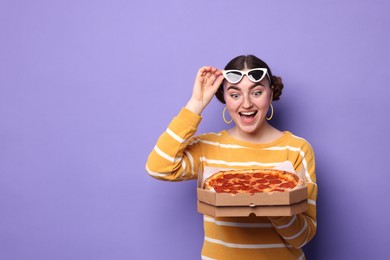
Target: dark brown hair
<point>250,62</point>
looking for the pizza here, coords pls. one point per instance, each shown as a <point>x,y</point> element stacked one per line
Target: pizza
<point>252,181</point>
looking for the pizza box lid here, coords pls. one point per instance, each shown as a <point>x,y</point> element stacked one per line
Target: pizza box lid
<point>243,211</point>
<point>252,200</point>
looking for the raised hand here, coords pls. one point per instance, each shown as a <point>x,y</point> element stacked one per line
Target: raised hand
<point>207,82</point>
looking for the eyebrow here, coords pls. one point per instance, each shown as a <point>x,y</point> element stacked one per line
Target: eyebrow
<point>251,87</point>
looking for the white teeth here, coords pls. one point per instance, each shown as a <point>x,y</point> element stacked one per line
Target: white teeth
<point>247,113</point>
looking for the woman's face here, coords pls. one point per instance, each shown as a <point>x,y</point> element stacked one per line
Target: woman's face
<point>248,103</point>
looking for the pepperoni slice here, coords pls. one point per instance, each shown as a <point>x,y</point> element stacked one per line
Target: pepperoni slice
<point>258,175</point>
<point>228,176</point>
<point>218,181</point>
<point>275,181</point>
<point>287,185</point>
<point>238,175</point>
<point>245,187</point>
<point>271,177</point>
<point>227,184</point>
<point>218,189</point>
<point>262,186</point>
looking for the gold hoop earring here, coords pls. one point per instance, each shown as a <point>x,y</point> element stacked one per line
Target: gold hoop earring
<point>224,118</point>
<point>272,112</point>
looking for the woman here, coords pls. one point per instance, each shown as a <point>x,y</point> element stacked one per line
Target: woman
<point>247,87</point>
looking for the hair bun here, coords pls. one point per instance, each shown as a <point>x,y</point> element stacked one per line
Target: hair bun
<point>277,87</point>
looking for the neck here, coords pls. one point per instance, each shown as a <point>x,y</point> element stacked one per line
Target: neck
<point>265,134</point>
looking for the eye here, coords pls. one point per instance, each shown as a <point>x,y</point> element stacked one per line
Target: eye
<point>234,95</point>
<point>257,93</point>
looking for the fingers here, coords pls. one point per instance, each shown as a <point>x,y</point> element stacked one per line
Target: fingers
<point>209,70</point>
<point>209,74</point>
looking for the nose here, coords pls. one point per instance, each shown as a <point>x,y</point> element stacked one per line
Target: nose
<point>247,102</point>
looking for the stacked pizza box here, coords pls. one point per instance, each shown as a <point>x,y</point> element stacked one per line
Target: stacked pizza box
<point>220,204</point>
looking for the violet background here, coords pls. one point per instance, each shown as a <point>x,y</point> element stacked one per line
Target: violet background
<point>86,88</point>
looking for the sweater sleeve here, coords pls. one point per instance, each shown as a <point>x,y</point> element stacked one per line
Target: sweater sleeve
<point>175,157</point>
<point>299,229</point>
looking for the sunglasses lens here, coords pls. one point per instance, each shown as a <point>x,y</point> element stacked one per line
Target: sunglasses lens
<point>233,76</point>
<point>256,75</point>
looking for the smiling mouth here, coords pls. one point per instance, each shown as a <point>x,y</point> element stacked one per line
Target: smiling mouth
<point>248,114</point>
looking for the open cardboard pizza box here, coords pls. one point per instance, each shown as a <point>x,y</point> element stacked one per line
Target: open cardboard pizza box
<point>244,204</point>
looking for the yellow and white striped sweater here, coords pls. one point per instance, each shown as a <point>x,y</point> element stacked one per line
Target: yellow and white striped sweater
<point>179,155</point>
